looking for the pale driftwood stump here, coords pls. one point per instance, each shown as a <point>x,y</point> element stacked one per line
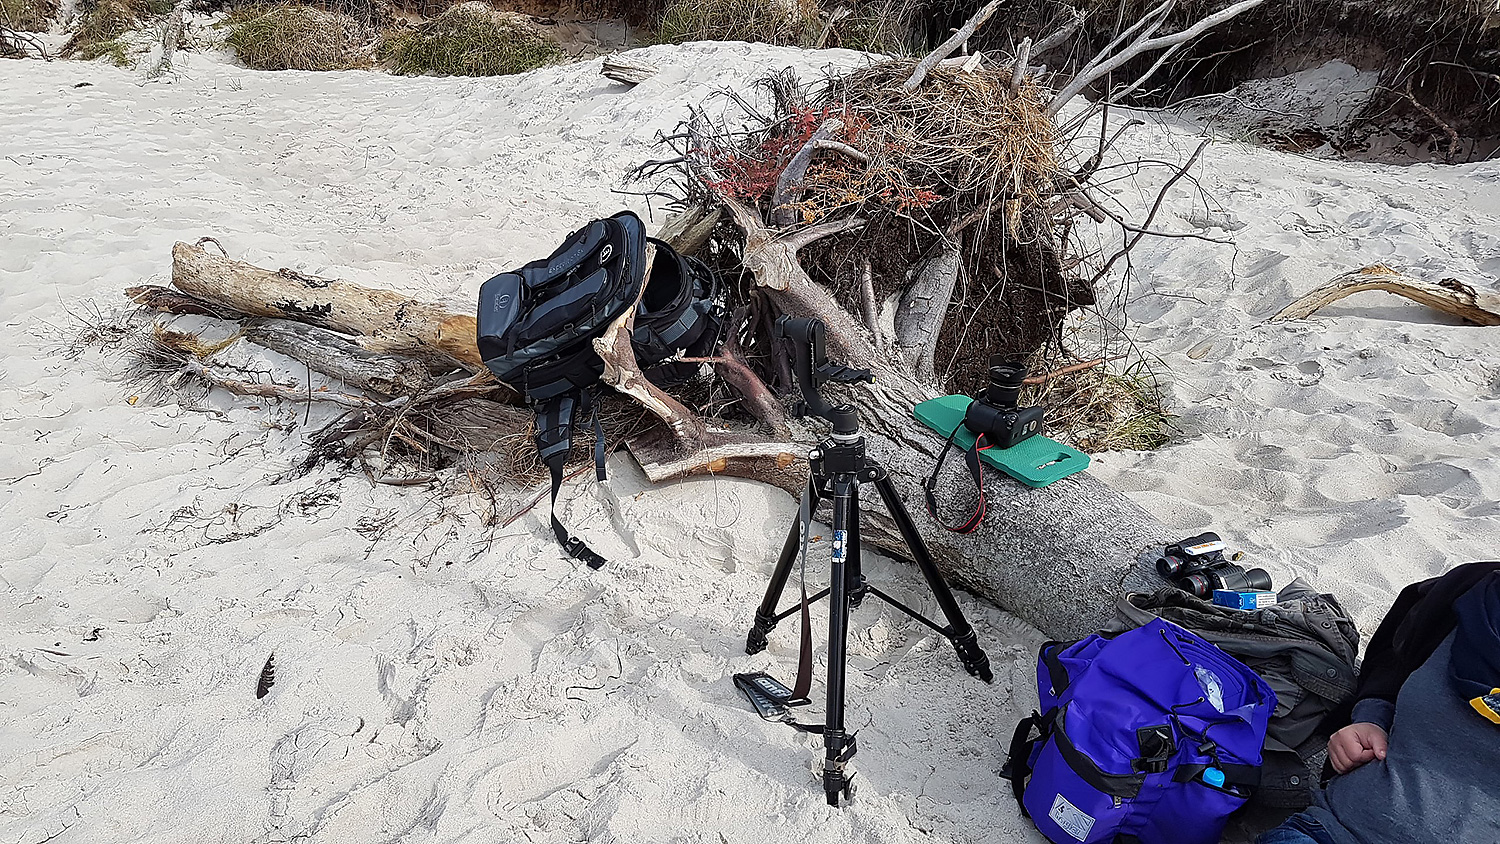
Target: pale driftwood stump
<point>623,68</point>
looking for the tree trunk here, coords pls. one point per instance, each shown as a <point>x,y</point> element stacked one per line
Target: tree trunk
<point>1057,557</point>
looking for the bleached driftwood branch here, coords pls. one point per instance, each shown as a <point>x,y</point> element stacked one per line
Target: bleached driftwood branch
<point>924,306</point>
<point>1107,62</point>
<point>328,352</point>
<point>1018,67</point>
<point>1061,34</point>
<point>382,321</point>
<point>947,48</point>
<point>789,185</point>
<point>1449,295</point>
<point>622,372</point>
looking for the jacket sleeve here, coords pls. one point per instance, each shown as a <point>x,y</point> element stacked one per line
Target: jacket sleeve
<point>1377,711</point>
<point>1417,623</point>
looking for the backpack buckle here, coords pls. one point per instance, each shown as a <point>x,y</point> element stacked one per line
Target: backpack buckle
<point>1149,766</point>
<point>1157,746</point>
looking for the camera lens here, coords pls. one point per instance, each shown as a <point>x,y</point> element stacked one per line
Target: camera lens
<point>1004,390</point>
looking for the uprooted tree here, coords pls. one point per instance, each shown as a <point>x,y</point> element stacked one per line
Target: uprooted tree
<point>922,210</point>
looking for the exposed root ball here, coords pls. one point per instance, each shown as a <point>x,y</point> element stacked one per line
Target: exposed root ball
<point>964,136</point>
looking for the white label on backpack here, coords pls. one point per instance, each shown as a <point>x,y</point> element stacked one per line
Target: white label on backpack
<point>1072,819</point>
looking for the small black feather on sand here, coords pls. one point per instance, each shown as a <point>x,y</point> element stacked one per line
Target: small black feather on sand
<point>267,677</point>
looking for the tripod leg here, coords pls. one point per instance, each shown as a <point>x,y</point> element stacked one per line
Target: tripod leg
<point>765,615</point>
<point>838,747</point>
<point>964,641</point>
<point>855,574</point>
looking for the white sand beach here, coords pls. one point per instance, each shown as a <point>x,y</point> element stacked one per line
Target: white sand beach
<point>438,682</point>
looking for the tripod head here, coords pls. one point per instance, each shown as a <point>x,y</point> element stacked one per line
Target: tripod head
<point>811,367</point>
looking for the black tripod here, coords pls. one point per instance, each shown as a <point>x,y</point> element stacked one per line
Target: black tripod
<point>838,468</point>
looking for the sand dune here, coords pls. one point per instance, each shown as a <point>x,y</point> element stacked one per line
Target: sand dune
<point>435,686</point>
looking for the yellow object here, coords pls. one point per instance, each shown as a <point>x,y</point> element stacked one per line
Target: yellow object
<point>1488,705</point>
<point>132,400</point>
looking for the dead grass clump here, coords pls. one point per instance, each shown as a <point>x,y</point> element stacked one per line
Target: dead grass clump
<point>27,15</point>
<point>470,39</point>
<point>100,29</point>
<point>291,37</point>
<point>1098,410</point>
<point>947,149</point>
<point>789,22</point>
<point>372,14</point>
<point>891,27</point>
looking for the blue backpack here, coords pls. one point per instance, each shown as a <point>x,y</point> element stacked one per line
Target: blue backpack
<point>1152,736</point>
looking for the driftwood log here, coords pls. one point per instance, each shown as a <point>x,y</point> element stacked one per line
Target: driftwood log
<point>1057,557</point>
<point>627,69</point>
<point>380,321</point>
<point>1449,295</point>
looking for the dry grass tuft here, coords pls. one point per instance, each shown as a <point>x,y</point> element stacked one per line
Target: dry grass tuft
<point>291,37</point>
<point>101,28</point>
<point>1098,410</point>
<point>793,23</point>
<point>470,39</point>
<point>27,15</point>
<point>953,146</point>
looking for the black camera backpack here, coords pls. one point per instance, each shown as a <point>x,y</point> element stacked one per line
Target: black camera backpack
<point>537,325</point>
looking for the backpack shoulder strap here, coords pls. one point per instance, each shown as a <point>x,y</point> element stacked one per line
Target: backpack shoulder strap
<point>1022,745</point>
<point>554,439</point>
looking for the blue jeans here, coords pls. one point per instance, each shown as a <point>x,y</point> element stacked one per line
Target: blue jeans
<point>1297,829</point>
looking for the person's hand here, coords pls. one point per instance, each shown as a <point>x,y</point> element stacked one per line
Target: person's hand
<point>1355,745</point>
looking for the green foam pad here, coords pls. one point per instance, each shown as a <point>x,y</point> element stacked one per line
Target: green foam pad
<point>1035,461</point>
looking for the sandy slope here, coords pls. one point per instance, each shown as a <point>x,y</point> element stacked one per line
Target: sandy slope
<point>1357,447</point>
<point>498,693</point>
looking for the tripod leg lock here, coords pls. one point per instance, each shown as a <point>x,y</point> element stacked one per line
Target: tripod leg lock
<point>838,780</point>
<point>973,657</point>
<point>756,641</point>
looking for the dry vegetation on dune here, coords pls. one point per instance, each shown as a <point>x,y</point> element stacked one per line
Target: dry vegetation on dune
<point>878,26</point>
<point>290,37</point>
<point>470,39</point>
<point>18,20</point>
<point>794,22</point>
<point>101,28</point>
<point>27,15</point>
